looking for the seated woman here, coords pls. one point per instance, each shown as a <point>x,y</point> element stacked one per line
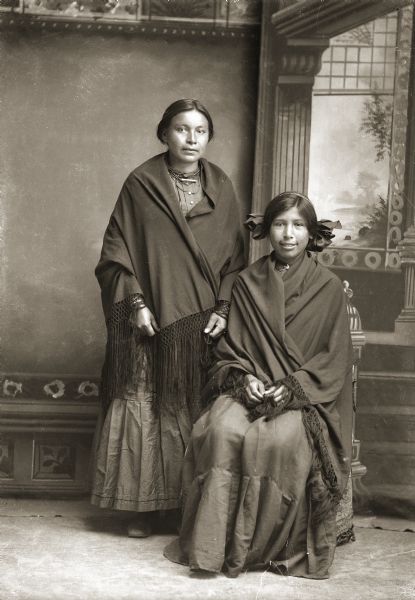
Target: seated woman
<point>269,460</point>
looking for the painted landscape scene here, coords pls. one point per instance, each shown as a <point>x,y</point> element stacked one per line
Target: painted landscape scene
<point>349,166</point>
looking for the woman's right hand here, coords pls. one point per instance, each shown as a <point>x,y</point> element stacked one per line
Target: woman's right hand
<point>254,389</point>
<point>145,322</point>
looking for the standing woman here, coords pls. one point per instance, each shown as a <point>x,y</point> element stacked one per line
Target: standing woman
<point>171,252</point>
<point>268,462</point>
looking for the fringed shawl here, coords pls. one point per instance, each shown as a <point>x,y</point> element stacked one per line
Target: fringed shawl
<point>294,329</point>
<point>182,266</point>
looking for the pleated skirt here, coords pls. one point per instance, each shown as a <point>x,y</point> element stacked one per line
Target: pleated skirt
<point>246,504</point>
<point>139,456</point>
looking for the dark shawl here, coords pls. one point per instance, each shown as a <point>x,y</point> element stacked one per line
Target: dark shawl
<point>182,266</point>
<point>294,329</point>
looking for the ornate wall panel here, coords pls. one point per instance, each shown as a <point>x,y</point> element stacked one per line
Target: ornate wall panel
<point>204,17</point>
<point>46,430</point>
<point>6,459</point>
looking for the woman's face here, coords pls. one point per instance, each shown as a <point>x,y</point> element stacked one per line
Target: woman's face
<point>187,138</point>
<point>289,235</point>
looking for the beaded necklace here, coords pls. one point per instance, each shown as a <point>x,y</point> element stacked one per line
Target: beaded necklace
<point>187,184</point>
<point>281,268</point>
<point>193,177</point>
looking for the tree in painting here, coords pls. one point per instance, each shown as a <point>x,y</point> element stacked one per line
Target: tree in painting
<point>377,123</point>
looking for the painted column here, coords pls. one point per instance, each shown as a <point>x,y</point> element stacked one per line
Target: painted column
<point>405,323</point>
<point>297,64</point>
<point>284,119</point>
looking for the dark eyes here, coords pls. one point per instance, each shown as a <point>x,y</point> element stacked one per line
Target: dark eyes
<point>182,129</point>
<point>281,224</point>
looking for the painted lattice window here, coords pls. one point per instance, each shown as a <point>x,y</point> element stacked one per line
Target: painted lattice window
<point>358,135</point>
<point>360,60</point>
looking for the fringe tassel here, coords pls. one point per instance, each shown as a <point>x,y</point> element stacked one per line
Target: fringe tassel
<point>323,486</point>
<point>172,364</point>
<point>181,357</point>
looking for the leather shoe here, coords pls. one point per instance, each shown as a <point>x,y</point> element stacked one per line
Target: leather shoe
<point>140,527</point>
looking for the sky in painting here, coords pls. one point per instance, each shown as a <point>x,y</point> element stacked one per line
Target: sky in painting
<point>344,174</point>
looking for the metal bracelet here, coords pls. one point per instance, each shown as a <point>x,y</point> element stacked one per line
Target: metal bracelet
<point>138,302</point>
<point>222,308</point>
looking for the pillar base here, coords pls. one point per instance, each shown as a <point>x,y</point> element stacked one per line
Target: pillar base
<point>405,328</point>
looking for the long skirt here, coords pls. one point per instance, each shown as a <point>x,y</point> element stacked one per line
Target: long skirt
<point>245,503</point>
<point>138,463</point>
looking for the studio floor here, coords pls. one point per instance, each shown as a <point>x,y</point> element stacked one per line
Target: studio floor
<point>67,550</point>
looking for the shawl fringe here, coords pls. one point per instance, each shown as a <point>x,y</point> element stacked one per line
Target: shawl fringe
<point>232,386</point>
<point>323,486</point>
<point>172,365</point>
<point>325,492</point>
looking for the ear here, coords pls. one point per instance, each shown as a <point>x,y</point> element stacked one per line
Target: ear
<point>164,136</point>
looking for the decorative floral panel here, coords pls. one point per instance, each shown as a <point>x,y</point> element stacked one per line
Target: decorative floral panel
<point>6,459</point>
<point>41,387</point>
<point>53,461</point>
<point>180,9</point>
<point>358,142</point>
<point>209,12</point>
<point>241,11</point>
<point>111,9</point>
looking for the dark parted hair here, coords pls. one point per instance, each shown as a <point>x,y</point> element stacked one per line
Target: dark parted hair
<point>178,107</point>
<point>284,202</point>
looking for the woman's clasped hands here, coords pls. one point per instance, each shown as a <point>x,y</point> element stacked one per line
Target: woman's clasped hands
<point>257,392</point>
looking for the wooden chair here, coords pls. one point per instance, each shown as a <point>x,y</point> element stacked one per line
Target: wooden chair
<point>344,518</point>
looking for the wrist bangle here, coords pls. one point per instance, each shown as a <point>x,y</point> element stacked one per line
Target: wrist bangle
<point>137,301</point>
<point>222,308</point>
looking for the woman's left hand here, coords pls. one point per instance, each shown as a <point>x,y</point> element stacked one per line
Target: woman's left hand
<point>215,326</point>
<point>277,393</point>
